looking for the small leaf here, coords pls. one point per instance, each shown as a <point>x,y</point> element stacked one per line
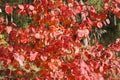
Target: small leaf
<point>118,15</point>
<point>44,58</point>
<point>37,36</point>
<point>10,48</point>
<point>19,58</point>
<point>19,72</point>
<point>8,29</point>
<point>101,69</point>
<point>83,33</point>
<point>33,55</point>
<point>108,21</point>
<point>0,10</point>
<point>8,9</point>
<point>63,8</point>
<point>118,1</point>
<point>106,1</point>
<point>21,7</point>
<point>99,25</point>
<point>31,7</point>
<point>100,47</point>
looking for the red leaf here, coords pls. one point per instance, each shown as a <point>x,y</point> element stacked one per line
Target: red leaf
<point>116,10</point>
<point>19,58</point>
<point>118,15</point>
<point>116,46</point>
<point>101,69</point>
<point>37,36</point>
<point>8,61</point>
<point>106,1</point>
<point>99,76</point>
<point>31,7</point>
<point>64,67</point>
<point>99,25</point>
<point>83,33</point>
<point>106,6</point>
<point>1,27</point>
<point>43,57</point>
<point>100,47</point>
<point>33,55</point>
<point>105,23</point>
<point>101,17</point>
<point>21,7</point>
<point>93,15</point>
<point>8,29</point>
<point>7,72</point>
<point>10,48</point>
<point>8,9</point>
<point>118,1</point>
<point>19,72</point>
<point>63,8</point>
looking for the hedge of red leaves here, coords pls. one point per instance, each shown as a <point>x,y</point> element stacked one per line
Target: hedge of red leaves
<point>50,49</point>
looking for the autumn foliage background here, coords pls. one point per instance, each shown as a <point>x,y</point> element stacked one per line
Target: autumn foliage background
<point>59,40</point>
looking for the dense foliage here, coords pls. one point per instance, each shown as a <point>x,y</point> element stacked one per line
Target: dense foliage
<point>52,46</point>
